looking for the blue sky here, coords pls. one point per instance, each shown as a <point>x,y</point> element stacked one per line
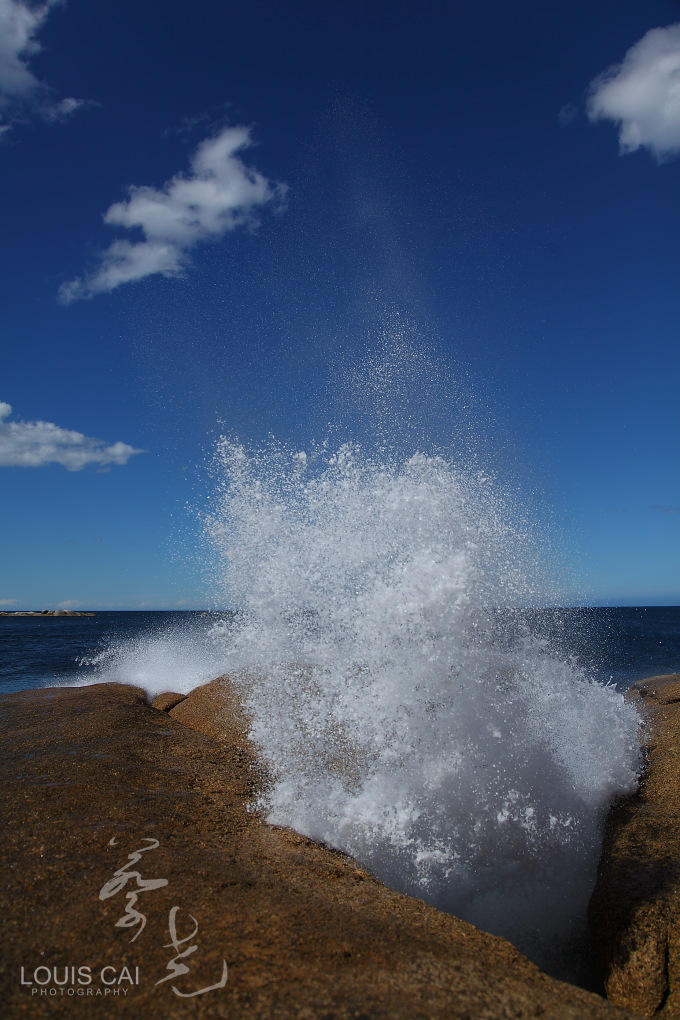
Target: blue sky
<point>215,219</point>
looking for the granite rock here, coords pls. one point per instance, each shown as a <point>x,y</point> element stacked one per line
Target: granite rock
<point>134,872</point>
<point>47,612</point>
<point>634,913</point>
<point>164,702</point>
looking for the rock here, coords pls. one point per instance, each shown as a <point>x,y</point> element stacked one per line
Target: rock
<point>164,702</point>
<point>132,861</point>
<point>214,709</point>
<point>47,612</point>
<point>634,913</point>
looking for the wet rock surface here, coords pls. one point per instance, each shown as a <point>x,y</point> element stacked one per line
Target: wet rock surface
<point>635,910</point>
<point>127,842</point>
<point>164,702</point>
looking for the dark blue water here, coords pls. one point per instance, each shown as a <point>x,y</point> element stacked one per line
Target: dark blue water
<point>620,645</point>
<point>46,651</point>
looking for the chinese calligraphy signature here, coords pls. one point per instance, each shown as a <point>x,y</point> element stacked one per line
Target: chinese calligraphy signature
<point>135,918</point>
<point>121,877</point>
<point>176,968</point>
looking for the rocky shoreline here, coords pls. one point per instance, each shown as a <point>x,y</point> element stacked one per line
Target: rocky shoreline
<point>634,912</point>
<point>47,612</point>
<point>136,875</point>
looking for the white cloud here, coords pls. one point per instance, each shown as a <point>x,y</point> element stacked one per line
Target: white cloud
<point>8,602</point>
<point>66,107</point>
<point>642,94</point>
<point>219,194</point>
<point>19,25</point>
<point>36,443</point>
<point>69,604</point>
<point>21,93</point>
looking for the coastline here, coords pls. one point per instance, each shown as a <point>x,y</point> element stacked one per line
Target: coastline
<point>99,785</point>
<point>47,612</point>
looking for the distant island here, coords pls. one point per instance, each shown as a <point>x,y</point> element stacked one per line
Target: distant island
<point>48,612</point>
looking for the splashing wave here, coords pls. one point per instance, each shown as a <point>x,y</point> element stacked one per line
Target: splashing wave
<point>409,712</point>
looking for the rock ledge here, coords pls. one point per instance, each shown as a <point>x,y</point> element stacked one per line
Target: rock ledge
<point>129,843</point>
<point>634,913</point>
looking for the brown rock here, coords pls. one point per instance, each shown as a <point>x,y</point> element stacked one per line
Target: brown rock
<point>214,709</point>
<point>635,910</point>
<point>119,822</point>
<point>164,702</point>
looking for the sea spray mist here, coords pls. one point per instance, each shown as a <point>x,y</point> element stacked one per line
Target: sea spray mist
<point>414,706</point>
<point>408,711</point>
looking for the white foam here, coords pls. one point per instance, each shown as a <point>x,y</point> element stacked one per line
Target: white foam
<point>173,659</point>
<point>408,714</point>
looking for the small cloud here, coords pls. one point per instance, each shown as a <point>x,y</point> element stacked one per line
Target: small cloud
<point>219,194</point>
<point>36,443</point>
<point>210,122</point>
<point>65,108</point>
<point>642,95</point>
<point>188,124</point>
<point>22,95</point>
<point>8,602</point>
<point>69,604</point>
<point>671,510</point>
<point>567,114</point>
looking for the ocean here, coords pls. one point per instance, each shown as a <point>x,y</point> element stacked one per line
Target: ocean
<point>615,645</point>
<point>482,790</point>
